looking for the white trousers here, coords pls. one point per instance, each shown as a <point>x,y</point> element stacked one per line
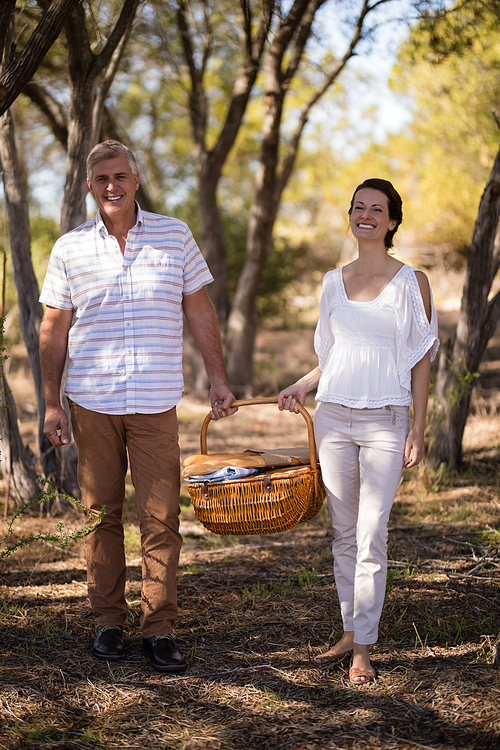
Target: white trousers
<point>361,452</point>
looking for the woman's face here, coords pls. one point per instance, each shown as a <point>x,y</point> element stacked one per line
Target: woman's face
<point>369,218</point>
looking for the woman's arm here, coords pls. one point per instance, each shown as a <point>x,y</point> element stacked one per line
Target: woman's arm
<point>288,397</point>
<point>420,381</point>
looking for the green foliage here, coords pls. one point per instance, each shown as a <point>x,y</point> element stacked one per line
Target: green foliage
<point>451,30</point>
<point>449,69</point>
<point>281,266</point>
<point>62,537</point>
<point>465,381</point>
<point>44,234</point>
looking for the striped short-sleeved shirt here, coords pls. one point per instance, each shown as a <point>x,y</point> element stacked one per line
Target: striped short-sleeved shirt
<point>125,341</point>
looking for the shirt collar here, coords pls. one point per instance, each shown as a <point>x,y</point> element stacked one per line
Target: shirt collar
<point>101,226</point>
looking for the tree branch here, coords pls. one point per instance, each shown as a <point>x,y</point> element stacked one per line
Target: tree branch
<point>80,56</point>
<point>6,13</point>
<point>245,80</point>
<point>50,108</point>
<point>197,99</point>
<point>300,42</point>
<point>118,38</point>
<point>329,79</point>
<point>21,69</point>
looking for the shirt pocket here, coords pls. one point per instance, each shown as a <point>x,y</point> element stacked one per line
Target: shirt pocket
<point>156,274</point>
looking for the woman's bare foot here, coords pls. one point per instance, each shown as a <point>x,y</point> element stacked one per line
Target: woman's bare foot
<point>337,652</point>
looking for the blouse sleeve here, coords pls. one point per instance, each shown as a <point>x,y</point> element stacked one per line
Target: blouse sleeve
<point>323,336</point>
<point>416,335</point>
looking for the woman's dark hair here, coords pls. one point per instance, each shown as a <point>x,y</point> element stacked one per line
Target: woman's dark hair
<point>394,201</point>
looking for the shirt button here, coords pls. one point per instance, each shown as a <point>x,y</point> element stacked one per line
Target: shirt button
<point>128,324</point>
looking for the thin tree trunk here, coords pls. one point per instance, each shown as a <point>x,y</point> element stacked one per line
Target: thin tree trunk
<point>210,162</point>
<point>213,245</point>
<point>18,462</point>
<point>74,209</point>
<point>30,309</point>
<point>87,102</point>
<point>214,252</point>
<point>243,319</point>
<point>282,63</point>
<point>460,358</point>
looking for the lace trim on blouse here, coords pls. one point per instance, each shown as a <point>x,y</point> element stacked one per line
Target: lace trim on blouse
<point>412,327</point>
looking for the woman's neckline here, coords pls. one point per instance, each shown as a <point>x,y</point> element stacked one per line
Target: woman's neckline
<point>368,301</point>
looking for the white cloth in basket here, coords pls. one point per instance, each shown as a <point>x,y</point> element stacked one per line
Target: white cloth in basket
<point>223,475</point>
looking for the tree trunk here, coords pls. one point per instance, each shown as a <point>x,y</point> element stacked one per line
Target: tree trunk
<point>460,358</point>
<point>74,209</point>
<point>214,252</point>
<point>30,309</point>
<point>213,245</point>
<point>18,462</point>
<point>242,321</point>
<point>283,61</point>
<point>209,163</point>
<point>87,102</point>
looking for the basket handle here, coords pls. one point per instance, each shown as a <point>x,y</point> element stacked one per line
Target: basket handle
<point>272,400</point>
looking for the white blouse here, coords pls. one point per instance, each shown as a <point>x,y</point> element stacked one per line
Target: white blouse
<point>366,350</point>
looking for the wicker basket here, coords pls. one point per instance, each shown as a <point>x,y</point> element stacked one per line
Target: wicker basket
<point>264,503</point>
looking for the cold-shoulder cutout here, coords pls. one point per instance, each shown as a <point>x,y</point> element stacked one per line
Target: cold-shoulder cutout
<point>425,290</point>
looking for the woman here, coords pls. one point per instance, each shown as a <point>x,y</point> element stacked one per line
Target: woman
<point>375,340</point>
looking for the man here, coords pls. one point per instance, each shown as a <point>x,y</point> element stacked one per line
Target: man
<point>114,292</point>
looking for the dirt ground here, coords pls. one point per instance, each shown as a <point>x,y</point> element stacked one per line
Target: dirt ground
<point>255,610</point>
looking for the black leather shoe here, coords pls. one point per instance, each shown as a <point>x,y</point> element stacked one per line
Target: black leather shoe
<point>109,643</point>
<point>164,653</point>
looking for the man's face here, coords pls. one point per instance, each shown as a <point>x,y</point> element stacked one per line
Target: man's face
<point>113,186</point>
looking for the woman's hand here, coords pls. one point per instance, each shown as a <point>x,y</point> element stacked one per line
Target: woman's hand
<point>289,397</point>
<point>295,394</point>
<point>414,448</point>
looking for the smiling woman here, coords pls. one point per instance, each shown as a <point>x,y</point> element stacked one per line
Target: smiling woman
<point>376,204</point>
<point>375,338</point>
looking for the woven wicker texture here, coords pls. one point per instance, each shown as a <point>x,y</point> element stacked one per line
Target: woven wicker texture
<point>262,504</point>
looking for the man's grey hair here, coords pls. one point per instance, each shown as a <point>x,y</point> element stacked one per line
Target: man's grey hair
<point>110,150</point>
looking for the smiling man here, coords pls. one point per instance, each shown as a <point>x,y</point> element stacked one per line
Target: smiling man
<point>115,292</point>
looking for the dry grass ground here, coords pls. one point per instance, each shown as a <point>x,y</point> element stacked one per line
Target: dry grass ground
<point>255,610</point>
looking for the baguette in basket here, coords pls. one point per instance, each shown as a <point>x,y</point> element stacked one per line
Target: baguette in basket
<point>286,490</point>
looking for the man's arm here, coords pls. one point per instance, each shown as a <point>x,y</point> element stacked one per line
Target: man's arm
<point>53,348</point>
<point>202,321</point>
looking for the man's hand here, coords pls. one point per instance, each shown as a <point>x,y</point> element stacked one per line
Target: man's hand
<point>56,426</point>
<point>221,399</point>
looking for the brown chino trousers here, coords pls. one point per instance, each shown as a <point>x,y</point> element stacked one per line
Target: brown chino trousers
<point>151,442</point>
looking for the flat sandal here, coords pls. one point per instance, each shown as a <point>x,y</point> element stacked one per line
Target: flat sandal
<point>323,659</point>
<point>368,675</point>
